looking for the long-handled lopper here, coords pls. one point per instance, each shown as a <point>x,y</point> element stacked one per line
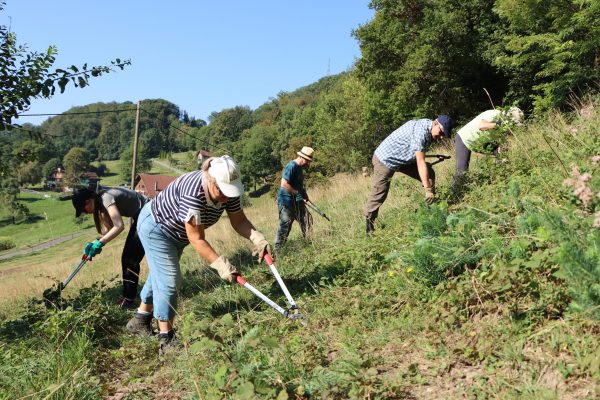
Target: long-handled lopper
<point>286,313</point>
<point>440,158</point>
<point>316,209</point>
<point>84,259</point>
<point>51,295</point>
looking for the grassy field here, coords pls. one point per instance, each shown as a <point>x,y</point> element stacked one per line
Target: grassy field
<point>493,294</point>
<point>181,161</point>
<point>49,218</point>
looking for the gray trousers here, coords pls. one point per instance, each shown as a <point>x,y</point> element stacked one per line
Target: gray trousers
<point>463,156</point>
<point>287,215</point>
<point>380,184</point>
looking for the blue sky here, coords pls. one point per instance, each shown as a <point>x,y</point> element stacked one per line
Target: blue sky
<point>202,55</point>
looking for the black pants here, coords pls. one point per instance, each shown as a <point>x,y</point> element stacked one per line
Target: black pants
<point>132,255</point>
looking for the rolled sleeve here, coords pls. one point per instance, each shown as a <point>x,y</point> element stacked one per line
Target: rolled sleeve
<point>189,207</point>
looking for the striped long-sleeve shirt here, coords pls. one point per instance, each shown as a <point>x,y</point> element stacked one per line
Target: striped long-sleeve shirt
<point>183,199</point>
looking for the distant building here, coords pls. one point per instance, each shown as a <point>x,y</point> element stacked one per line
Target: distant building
<point>55,180</point>
<point>151,185</point>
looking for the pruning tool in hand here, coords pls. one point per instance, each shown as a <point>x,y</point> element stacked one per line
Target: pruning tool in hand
<point>286,313</point>
<point>316,209</point>
<point>440,158</point>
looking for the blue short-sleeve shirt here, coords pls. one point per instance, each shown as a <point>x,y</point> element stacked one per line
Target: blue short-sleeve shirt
<point>294,175</point>
<point>399,147</point>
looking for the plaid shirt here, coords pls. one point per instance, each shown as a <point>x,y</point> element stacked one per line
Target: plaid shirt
<point>399,147</point>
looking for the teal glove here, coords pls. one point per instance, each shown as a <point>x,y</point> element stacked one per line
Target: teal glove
<point>87,249</point>
<point>91,249</point>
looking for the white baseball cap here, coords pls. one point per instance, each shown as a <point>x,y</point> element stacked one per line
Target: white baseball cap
<point>228,176</point>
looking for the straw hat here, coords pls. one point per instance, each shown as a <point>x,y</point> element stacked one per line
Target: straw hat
<point>306,153</point>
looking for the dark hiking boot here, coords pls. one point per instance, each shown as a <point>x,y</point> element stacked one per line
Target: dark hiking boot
<point>370,226</point>
<point>126,303</point>
<point>167,342</point>
<point>140,324</point>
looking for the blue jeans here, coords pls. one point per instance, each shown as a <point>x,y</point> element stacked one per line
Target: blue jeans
<point>287,215</point>
<point>162,254</point>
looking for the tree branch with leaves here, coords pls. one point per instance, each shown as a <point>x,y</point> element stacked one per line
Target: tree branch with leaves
<point>26,75</point>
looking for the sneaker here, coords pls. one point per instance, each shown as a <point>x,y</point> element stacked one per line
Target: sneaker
<point>126,303</point>
<point>167,342</point>
<point>140,324</point>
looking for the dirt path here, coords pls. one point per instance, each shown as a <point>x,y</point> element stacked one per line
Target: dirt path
<point>41,246</point>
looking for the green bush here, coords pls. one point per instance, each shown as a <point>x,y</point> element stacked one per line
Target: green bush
<point>6,243</point>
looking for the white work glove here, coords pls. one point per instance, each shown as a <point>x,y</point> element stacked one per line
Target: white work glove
<point>225,269</point>
<point>261,246</point>
<point>430,195</point>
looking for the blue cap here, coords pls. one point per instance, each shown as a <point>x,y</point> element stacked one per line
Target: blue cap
<point>447,123</point>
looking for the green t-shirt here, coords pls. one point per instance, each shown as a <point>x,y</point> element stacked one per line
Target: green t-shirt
<point>470,133</point>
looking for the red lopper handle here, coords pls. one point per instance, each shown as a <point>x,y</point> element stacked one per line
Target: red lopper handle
<point>241,281</point>
<point>268,259</point>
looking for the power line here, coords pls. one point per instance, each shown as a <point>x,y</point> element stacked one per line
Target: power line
<point>204,142</point>
<point>76,113</point>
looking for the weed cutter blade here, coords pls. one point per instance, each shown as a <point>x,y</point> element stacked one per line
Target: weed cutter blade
<point>298,316</point>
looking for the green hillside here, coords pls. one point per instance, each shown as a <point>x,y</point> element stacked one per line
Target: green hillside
<point>492,295</point>
<point>49,218</point>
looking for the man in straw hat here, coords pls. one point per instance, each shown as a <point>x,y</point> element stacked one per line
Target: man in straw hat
<point>404,151</point>
<point>292,195</point>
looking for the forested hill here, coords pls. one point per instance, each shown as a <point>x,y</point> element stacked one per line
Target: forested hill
<point>417,61</point>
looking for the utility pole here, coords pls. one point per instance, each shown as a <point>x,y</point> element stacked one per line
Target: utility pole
<point>135,143</point>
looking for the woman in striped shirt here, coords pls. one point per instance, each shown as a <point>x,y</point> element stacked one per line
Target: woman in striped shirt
<point>177,217</point>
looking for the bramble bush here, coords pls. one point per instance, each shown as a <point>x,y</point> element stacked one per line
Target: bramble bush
<point>6,243</point>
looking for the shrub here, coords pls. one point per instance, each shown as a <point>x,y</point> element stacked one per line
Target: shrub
<point>6,243</point>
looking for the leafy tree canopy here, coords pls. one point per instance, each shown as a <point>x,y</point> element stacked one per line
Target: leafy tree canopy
<point>26,75</point>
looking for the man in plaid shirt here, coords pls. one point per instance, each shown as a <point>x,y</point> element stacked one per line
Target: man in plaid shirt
<point>404,151</point>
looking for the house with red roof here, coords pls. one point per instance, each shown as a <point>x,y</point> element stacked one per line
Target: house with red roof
<point>150,185</point>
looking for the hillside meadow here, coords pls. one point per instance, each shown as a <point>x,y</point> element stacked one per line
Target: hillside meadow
<point>491,293</point>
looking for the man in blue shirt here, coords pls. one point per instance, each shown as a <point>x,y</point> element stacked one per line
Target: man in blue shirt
<point>292,195</point>
<point>404,151</point>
